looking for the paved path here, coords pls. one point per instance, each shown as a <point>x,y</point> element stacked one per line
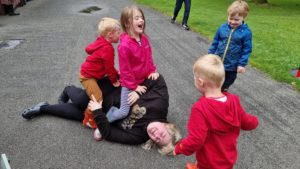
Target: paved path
<point>55,34</point>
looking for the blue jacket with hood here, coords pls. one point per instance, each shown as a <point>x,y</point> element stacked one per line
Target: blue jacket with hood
<point>239,49</point>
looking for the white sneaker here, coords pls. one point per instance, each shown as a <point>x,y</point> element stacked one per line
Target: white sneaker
<point>97,135</point>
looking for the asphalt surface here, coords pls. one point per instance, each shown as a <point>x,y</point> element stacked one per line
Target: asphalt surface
<point>54,35</point>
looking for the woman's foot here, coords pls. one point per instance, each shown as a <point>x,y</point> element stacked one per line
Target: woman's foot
<point>97,135</point>
<point>33,111</point>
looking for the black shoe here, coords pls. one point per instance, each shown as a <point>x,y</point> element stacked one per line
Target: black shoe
<point>33,111</point>
<point>172,20</point>
<point>63,98</point>
<point>185,27</point>
<point>13,14</point>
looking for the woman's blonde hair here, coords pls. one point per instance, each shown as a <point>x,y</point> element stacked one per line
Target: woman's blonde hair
<point>174,131</point>
<point>238,7</point>
<point>107,25</point>
<point>127,18</point>
<point>211,68</point>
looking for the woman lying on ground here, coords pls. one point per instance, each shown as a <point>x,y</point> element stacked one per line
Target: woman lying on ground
<point>147,119</point>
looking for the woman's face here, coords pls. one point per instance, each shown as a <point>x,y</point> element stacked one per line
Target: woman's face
<point>137,22</point>
<point>158,132</point>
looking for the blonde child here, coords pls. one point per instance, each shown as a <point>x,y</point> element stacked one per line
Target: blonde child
<point>233,42</point>
<point>215,120</point>
<point>135,60</point>
<point>100,63</point>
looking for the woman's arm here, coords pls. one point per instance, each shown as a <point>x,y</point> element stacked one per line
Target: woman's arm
<point>111,132</point>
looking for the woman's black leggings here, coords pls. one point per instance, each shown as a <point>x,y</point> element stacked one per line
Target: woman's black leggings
<point>73,110</point>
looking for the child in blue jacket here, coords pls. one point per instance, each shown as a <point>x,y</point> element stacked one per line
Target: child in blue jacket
<point>233,42</point>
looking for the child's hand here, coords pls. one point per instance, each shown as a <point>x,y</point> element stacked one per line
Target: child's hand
<point>116,84</point>
<point>94,105</point>
<point>153,76</point>
<point>132,98</point>
<point>241,69</point>
<point>174,153</point>
<point>141,89</point>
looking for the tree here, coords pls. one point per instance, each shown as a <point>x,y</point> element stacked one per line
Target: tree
<point>261,1</point>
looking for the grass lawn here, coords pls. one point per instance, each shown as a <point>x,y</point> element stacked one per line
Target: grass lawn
<point>275,28</point>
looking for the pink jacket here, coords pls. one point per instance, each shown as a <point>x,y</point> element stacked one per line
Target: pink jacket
<point>135,61</point>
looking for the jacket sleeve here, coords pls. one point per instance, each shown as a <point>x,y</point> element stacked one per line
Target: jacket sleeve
<point>197,132</point>
<point>214,45</point>
<point>248,121</point>
<point>246,49</point>
<point>152,67</point>
<point>109,64</point>
<point>126,73</point>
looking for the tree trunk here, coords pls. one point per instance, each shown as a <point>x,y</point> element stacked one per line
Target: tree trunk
<point>261,1</point>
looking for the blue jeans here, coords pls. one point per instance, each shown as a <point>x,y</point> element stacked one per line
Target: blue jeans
<point>187,7</point>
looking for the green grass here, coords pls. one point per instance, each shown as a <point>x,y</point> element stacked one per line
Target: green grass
<point>275,28</point>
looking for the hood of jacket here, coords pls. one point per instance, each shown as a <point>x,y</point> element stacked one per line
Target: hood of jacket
<point>223,116</point>
<point>100,42</point>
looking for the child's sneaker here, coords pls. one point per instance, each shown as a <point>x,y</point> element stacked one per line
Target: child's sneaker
<point>190,165</point>
<point>97,135</point>
<point>89,121</point>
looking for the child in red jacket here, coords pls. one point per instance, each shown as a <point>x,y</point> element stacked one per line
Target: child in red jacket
<point>100,63</point>
<point>215,120</point>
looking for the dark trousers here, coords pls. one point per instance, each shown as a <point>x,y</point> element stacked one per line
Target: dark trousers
<point>230,77</point>
<point>187,7</point>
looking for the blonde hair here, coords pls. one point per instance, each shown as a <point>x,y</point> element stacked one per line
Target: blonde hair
<point>107,25</point>
<point>238,7</point>
<point>174,131</point>
<point>127,19</point>
<point>211,68</point>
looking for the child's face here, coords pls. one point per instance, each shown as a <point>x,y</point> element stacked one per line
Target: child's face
<point>115,35</point>
<point>235,20</point>
<point>158,132</point>
<point>138,22</point>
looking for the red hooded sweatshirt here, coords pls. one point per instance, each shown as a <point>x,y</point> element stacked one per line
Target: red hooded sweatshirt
<point>100,61</point>
<point>135,61</point>
<point>213,130</point>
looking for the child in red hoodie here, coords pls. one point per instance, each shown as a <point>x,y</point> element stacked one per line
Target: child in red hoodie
<point>215,120</point>
<point>100,63</point>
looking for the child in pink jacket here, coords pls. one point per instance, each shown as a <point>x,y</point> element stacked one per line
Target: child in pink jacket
<point>135,60</point>
<point>215,120</point>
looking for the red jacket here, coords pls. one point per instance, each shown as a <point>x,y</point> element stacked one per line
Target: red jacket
<point>135,61</point>
<point>100,61</point>
<point>213,130</point>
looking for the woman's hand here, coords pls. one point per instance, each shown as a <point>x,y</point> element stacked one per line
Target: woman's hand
<point>94,105</point>
<point>116,84</point>
<point>153,76</point>
<point>141,89</point>
<point>132,98</point>
<point>241,69</point>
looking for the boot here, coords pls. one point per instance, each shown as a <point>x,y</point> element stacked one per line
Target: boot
<point>88,120</point>
<point>11,11</point>
<point>33,111</point>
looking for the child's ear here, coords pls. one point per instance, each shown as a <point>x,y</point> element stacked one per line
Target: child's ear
<point>201,81</point>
